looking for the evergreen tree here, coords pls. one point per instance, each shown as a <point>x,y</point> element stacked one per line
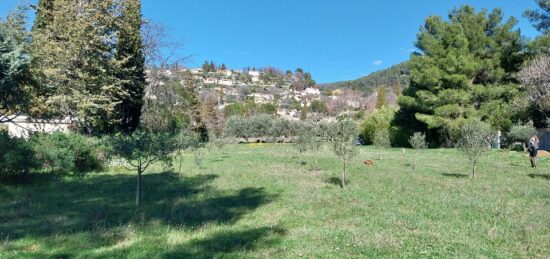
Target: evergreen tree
<point>464,71</point>
<point>87,60</point>
<point>129,51</point>
<point>15,87</point>
<point>197,123</point>
<point>541,21</point>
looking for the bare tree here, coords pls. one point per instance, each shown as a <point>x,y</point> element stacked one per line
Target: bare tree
<point>536,77</point>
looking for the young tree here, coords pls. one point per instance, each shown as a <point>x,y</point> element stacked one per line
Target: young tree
<point>141,149</point>
<point>342,137</point>
<point>305,135</point>
<point>15,86</point>
<point>382,138</point>
<point>475,141</point>
<point>418,143</point>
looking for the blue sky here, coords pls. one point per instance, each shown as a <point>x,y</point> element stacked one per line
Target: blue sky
<point>334,39</point>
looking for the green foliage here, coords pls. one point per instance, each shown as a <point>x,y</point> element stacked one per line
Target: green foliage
<point>540,18</point>
<point>342,135</point>
<point>15,89</point>
<point>521,132</point>
<point>318,106</point>
<point>169,111</point>
<point>393,76</point>
<point>249,108</point>
<point>381,99</point>
<point>68,152</point>
<point>305,136</point>
<point>418,141</point>
<point>17,156</point>
<point>475,140</point>
<point>142,148</point>
<point>237,127</point>
<point>378,121</point>
<point>464,70</point>
<point>382,138</point>
<point>87,60</point>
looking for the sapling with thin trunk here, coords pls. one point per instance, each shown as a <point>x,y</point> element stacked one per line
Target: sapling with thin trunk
<point>418,143</point>
<point>343,135</point>
<point>141,149</point>
<point>474,142</point>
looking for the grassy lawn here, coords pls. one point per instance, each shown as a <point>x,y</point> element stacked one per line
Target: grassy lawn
<point>260,201</point>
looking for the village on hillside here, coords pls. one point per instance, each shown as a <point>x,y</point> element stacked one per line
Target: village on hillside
<point>289,95</point>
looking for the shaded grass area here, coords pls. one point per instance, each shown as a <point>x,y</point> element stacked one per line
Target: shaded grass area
<point>261,201</point>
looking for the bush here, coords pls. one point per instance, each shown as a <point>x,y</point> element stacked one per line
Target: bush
<point>62,152</point>
<point>521,132</point>
<point>17,156</point>
<point>382,138</point>
<point>378,121</point>
<point>418,141</point>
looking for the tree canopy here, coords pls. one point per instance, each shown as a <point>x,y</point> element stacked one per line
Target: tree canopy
<point>463,70</point>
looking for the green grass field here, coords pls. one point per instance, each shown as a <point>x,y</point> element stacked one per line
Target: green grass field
<point>259,200</point>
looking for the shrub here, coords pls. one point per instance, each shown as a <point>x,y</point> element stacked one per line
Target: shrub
<point>17,156</point>
<point>418,141</point>
<point>382,138</point>
<point>68,152</point>
<point>378,121</point>
<point>522,132</point>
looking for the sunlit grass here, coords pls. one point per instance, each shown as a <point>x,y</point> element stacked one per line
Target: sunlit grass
<point>258,200</point>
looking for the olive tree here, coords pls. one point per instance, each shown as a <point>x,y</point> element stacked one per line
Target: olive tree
<point>342,137</point>
<point>140,150</point>
<point>522,132</point>
<point>237,127</point>
<point>474,141</point>
<point>304,137</point>
<point>418,143</point>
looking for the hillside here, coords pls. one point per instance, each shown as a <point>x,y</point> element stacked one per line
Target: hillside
<point>387,77</point>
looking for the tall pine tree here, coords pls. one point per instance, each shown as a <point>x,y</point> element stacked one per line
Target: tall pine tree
<point>129,50</point>
<point>464,71</point>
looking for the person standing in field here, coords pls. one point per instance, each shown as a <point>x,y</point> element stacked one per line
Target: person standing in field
<point>532,148</point>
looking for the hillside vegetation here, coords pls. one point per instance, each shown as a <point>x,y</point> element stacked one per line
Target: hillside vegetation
<point>386,77</point>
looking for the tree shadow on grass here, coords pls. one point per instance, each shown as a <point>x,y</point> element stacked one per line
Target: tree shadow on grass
<point>455,175</point>
<point>224,243</point>
<point>67,205</point>
<point>335,181</point>
<point>540,176</point>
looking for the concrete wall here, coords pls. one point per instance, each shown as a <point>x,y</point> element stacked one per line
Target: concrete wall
<point>22,126</point>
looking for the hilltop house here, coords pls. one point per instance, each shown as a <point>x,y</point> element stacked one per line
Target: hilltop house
<point>261,98</point>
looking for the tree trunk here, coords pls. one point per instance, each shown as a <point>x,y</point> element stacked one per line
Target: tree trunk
<point>138,188</point>
<point>474,169</point>
<point>344,175</point>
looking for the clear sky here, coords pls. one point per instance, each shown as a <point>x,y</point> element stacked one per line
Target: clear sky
<point>334,39</point>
